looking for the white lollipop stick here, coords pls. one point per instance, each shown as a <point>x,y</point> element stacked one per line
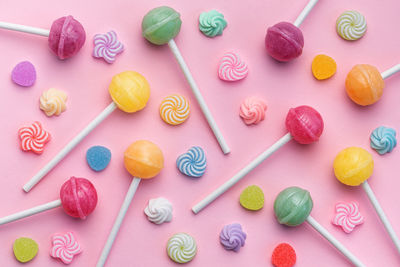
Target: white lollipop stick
<point>210,119</point>
<point>118,221</point>
<point>304,13</point>
<point>334,241</point>
<point>381,214</point>
<point>387,73</point>
<point>242,173</point>
<point>75,141</point>
<point>23,28</point>
<point>29,212</point>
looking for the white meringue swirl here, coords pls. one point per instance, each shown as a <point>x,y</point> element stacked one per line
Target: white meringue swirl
<point>159,210</point>
<point>52,102</point>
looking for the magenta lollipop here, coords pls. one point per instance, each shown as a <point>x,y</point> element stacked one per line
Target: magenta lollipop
<point>65,37</point>
<point>78,198</point>
<point>304,124</point>
<point>284,41</point>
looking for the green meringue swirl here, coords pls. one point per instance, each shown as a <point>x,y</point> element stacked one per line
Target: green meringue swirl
<point>212,23</point>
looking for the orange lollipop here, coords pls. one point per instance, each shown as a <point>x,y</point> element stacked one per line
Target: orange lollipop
<point>142,159</point>
<point>364,83</point>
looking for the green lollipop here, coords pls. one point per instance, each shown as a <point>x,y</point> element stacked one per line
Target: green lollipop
<point>160,26</point>
<point>293,206</point>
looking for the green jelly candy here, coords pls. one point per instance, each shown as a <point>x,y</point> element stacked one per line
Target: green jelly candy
<point>252,198</point>
<point>292,206</point>
<point>25,249</point>
<point>161,24</point>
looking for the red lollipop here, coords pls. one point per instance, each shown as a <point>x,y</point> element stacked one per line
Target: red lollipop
<point>65,37</point>
<point>78,197</point>
<point>304,124</point>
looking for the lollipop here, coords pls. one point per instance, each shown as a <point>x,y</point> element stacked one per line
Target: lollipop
<point>353,166</point>
<point>160,26</point>
<point>284,41</point>
<point>142,159</point>
<point>293,206</point>
<point>364,83</point>
<point>129,91</point>
<point>304,125</point>
<point>66,35</point>
<point>78,198</point>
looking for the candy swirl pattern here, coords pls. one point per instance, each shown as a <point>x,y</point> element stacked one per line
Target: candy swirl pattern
<point>192,163</point>
<point>232,68</point>
<point>212,23</point>
<point>351,25</point>
<point>252,110</point>
<point>107,46</point>
<point>174,109</point>
<point>383,139</point>
<point>65,247</point>
<point>347,216</point>
<point>181,248</point>
<point>33,137</point>
<point>53,102</point>
<point>232,237</point>
<point>159,210</point>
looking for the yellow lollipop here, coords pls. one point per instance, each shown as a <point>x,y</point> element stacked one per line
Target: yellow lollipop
<point>129,91</point>
<point>353,166</point>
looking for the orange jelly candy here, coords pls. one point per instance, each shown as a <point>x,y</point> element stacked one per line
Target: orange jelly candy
<point>364,84</point>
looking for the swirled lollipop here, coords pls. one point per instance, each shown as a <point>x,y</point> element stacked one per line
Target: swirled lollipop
<point>78,198</point>
<point>293,206</point>
<point>353,166</point>
<point>304,124</point>
<point>129,91</point>
<point>160,26</point>
<point>143,160</point>
<point>174,109</point>
<point>181,248</point>
<point>66,35</point>
<point>364,83</point>
<point>284,41</point>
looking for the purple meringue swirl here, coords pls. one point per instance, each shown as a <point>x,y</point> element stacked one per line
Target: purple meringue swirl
<point>232,237</point>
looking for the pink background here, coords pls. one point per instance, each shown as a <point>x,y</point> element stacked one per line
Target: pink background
<point>141,243</point>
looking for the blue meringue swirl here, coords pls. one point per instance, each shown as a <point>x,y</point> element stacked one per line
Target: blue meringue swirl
<point>383,139</point>
<point>193,163</point>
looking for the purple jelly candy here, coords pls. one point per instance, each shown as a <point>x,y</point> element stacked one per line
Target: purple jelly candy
<point>24,74</point>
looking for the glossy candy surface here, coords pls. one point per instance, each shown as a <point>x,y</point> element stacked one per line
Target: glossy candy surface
<point>353,166</point>
<point>143,159</point>
<point>284,41</point>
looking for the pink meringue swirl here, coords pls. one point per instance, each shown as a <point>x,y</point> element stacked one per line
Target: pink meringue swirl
<point>107,46</point>
<point>347,216</point>
<point>252,110</point>
<point>232,68</point>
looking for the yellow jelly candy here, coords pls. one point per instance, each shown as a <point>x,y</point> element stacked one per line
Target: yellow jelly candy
<point>323,67</point>
<point>353,166</point>
<point>25,249</point>
<point>252,198</point>
<point>130,91</point>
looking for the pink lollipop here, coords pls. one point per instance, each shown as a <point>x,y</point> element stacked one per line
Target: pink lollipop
<point>66,35</point>
<point>304,125</point>
<point>284,41</point>
<point>78,197</point>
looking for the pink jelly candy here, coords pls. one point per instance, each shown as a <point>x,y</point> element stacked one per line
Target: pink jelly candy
<point>78,197</point>
<point>67,37</point>
<point>305,124</point>
<point>284,41</point>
